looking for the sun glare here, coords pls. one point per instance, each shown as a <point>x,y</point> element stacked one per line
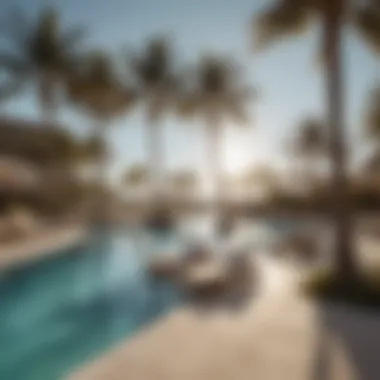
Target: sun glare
<point>236,158</point>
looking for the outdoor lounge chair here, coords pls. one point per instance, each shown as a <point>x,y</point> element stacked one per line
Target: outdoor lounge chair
<point>164,267</point>
<point>205,279</point>
<point>196,254</point>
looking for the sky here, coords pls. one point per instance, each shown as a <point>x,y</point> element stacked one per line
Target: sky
<point>289,81</point>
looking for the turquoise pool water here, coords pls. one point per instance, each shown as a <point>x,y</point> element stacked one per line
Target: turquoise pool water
<point>59,312</point>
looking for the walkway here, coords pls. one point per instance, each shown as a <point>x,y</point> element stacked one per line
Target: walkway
<point>46,241</point>
<point>277,336</point>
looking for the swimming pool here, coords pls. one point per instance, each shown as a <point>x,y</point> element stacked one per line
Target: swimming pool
<point>59,312</point>
<point>70,307</point>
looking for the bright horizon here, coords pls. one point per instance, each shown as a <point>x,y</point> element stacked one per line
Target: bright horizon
<point>289,83</point>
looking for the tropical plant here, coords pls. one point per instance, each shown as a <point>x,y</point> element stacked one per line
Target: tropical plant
<point>154,72</point>
<point>37,52</point>
<point>95,88</point>
<point>310,146</point>
<point>136,176</point>
<point>44,147</point>
<point>261,177</point>
<point>91,150</point>
<point>216,94</point>
<point>287,17</point>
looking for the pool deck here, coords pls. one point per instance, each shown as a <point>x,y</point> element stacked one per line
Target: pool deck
<point>44,242</point>
<point>278,335</point>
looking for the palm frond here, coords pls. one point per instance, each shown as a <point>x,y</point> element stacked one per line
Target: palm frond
<point>72,37</point>
<point>215,75</point>
<point>153,68</point>
<point>216,91</point>
<point>366,21</point>
<point>96,88</point>
<point>311,138</point>
<point>48,23</point>
<point>44,49</point>
<point>38,47</point>
<point>153,73</point>
<point>283,18</point>
<point>70,47</point>
<point>107,104</point>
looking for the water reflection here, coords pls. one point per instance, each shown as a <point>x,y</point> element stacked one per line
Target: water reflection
<point>59,312</point>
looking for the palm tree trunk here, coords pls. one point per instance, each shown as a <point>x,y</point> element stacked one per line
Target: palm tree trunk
<point>305,173</point>
<point>213,158</point>
<point>214,167</point>
<point>47,99</point>
<point>344,259</point>
<point>156,159</point>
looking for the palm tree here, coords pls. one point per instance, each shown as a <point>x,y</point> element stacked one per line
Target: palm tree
<point>91,150</point>
<point>95,88</point>
<point>40,52</point>
<point>184,182</point>
<point>309,145</point>
<point>153,70</point>
<point>292,16</point>
<point>261,179</point>
<point>216,95</point>
<point>136,176</point>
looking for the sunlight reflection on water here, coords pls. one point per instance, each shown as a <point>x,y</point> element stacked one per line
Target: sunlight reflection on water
<point>59,312</point>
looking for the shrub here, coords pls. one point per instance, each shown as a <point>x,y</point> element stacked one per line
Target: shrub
<point>363,291</point>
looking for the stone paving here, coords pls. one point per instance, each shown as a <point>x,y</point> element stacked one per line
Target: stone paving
<point>277,335</point>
